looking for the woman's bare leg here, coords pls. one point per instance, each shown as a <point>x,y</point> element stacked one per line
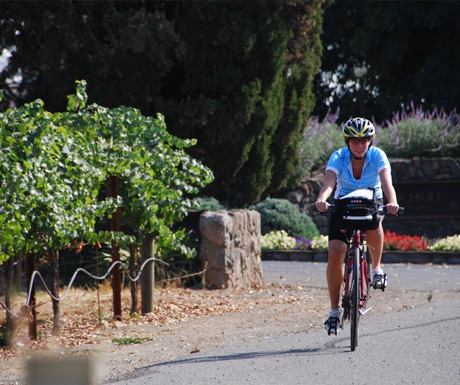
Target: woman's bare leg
<point>334,271</point>
<point>375,245</point>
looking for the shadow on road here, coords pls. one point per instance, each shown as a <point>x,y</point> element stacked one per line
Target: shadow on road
<point>251,355</point>
<point>329,348</point>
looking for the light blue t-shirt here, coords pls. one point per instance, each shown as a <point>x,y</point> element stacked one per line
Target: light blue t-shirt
<point>340,163</point>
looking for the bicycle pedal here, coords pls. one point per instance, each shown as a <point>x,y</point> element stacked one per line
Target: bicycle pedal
<point>365,311</point>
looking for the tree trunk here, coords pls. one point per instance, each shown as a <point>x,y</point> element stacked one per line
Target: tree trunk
<point>30,267</point>
<point>10,324</point>
<point>53,256</point>
<point>148,275</point>
<point>18,273</point>
<point>132,272</point>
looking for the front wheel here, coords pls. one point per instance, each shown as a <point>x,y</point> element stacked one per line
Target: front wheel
<point>354,311</point>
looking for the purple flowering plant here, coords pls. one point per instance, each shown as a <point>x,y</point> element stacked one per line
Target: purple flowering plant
<point>319,140</point>
<point>410,132</point>
<point>416,132</point>
<point>303,244</point>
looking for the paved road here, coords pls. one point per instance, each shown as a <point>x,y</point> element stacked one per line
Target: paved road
<point>420,345</point>
<point>400,276</point>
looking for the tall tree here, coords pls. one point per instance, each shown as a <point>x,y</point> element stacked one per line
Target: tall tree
<point>229,94</point>
<point>245,90</point>
<point>235,75</point>
<point>301,64</point>
<point>409,50</point>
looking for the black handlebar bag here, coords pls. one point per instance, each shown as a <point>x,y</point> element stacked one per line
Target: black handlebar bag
<point>358,210</point>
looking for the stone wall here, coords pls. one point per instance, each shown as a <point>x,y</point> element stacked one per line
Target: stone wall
<point>429,189</point>
<point>231,248</point>
<point>425,169</point>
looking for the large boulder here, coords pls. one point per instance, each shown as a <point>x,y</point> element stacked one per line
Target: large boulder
<point>230,248</point>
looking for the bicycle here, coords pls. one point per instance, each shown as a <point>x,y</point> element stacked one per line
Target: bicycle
<point>357,274</point>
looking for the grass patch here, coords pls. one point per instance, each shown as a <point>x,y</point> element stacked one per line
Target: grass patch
<point>130,340</point>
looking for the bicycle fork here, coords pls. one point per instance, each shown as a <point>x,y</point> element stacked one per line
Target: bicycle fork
<point>363,273</point>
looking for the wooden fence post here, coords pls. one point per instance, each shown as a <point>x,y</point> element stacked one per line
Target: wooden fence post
<point>30,267</point>
<point>132,272</point>
<point>116,276</point>
<point>148,275</point>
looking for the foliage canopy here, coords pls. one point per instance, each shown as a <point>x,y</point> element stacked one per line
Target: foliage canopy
<point>55,165</point>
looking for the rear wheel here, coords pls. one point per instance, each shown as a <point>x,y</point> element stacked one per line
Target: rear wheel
<point>354,310</point>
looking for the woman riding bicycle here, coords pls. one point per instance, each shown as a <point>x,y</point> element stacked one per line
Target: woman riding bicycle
<point>357,166</point>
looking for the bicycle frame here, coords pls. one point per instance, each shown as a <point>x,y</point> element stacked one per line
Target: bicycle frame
<point>358,241</point>
<point>356,284</point>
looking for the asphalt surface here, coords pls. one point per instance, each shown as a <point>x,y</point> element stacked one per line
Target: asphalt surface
<point>400,276</point>
<point>420,345</point>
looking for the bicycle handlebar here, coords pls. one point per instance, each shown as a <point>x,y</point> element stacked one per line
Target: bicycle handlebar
<point>334,208</point>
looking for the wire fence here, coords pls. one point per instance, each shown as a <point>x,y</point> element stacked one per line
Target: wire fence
<point>69,286</point>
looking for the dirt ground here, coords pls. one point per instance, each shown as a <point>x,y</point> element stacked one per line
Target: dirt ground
<point>186,321</point>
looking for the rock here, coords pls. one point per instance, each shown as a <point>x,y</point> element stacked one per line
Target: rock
<point>231,248</point>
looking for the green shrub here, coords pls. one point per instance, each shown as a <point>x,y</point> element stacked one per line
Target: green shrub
<point>280,214</point>
<point>208,204</point>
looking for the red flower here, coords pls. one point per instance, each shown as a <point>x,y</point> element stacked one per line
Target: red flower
<point>394,241</point>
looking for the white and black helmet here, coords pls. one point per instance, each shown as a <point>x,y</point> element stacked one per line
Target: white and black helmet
<point>358,128</point>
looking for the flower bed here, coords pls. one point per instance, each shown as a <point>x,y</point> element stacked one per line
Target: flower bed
<point>394,241</point>
<point>281,240</point>
<point>435,257</point>
<point>397,249</point>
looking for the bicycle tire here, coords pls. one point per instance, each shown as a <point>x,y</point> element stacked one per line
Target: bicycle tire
<point>354,311</point>
<point>346,295</point>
